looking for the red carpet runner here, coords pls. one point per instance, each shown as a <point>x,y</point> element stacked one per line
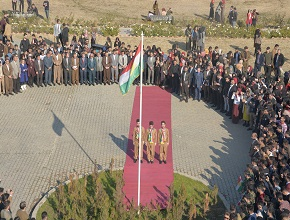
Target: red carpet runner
<point>155,178</point>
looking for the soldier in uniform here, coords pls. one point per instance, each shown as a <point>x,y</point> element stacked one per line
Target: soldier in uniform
<point>136,141</point>
<point>163,141</point>
<point>151,141</point>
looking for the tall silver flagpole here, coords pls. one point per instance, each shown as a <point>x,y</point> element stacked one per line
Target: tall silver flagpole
<point>140,118</point>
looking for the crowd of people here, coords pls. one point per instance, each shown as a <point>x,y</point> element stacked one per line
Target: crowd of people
<point>218,14</point>
<point>18,7</point>
<point>257,94</point>
<point>157,12</point>
<point>21,214</point>
<point>35,63</point>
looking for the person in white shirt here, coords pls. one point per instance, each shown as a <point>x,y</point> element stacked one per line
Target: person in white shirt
<point>237,99</point>
<point>57,30</point>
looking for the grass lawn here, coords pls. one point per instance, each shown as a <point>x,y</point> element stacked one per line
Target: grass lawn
<point>195,191</point>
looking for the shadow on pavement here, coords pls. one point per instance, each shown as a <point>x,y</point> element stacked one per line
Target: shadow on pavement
<point>58,126</point>
<point>121,142</point>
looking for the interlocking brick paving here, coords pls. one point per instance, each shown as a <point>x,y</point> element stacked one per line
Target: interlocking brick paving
<point>47,133</point>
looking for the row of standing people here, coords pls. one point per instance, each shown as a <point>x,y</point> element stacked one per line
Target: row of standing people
<point>151,137</point>
<point>56,68</point>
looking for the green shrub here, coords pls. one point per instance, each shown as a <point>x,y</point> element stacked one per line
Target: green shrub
<point>100,196</point>
<point>109,30</point>
<point>277,26</point>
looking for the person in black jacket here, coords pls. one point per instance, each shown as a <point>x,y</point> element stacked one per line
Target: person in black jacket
<point>226,88</point>
<point>24,44</point>
<point>220,83</point>
<point>278,63</point>
<point>233,88</point>
<point>207,76</point>
<point>175,72</point>
<point>64,35</point>
<point>259,62</point>
<point>34,10</point>
<point>46,8</point>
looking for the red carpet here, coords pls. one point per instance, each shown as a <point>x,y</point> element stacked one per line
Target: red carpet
<point>155,178</point>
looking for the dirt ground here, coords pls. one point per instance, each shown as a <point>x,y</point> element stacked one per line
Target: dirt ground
<point>183,9</point>
<point>131,10</point>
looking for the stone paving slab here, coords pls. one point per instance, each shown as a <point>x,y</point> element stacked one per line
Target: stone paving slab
<point>36,151</point>
<point>206,145</point>
<point>47,133</point>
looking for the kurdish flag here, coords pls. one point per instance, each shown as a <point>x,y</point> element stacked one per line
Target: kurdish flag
<point>239,186</point>
<point>131,72</point>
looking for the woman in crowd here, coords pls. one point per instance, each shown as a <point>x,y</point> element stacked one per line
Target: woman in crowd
<point>74,41</point>
<point>157,71</point>
<point>108,43</point>
<point>254,17</point>
<point>218,12</point>
<point>165,65</point>
<point>188,32</point>
<point>155,8</point>
<point>201,39</point>
<point>7,32</point>
<point>93,38</point>
<point>183,59</point>
<point>24,56</point>
<point>230,61</point>
<point>237,99</point>
<point>82,39</point>
<point>23,72</point>
<point>117,42</point>
<point>31,70</point>
<point>246,114</point>
<point>239,69</point>
<point>211,10</point>
<point>249,18</point>
<point>194,37</point>
<point>250,72</point>
<point>163,12</point>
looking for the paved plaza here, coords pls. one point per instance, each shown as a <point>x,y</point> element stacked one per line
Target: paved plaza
<point>47,133</point>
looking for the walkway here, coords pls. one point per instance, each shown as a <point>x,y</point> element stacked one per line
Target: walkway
<point>46,133</point>
<point>155,178</point>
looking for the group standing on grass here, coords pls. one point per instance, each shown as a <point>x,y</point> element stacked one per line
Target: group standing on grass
<point>31,7</point>
<point>218,14</point>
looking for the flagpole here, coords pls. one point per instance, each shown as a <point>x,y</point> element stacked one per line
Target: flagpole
<point>140,118</point>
